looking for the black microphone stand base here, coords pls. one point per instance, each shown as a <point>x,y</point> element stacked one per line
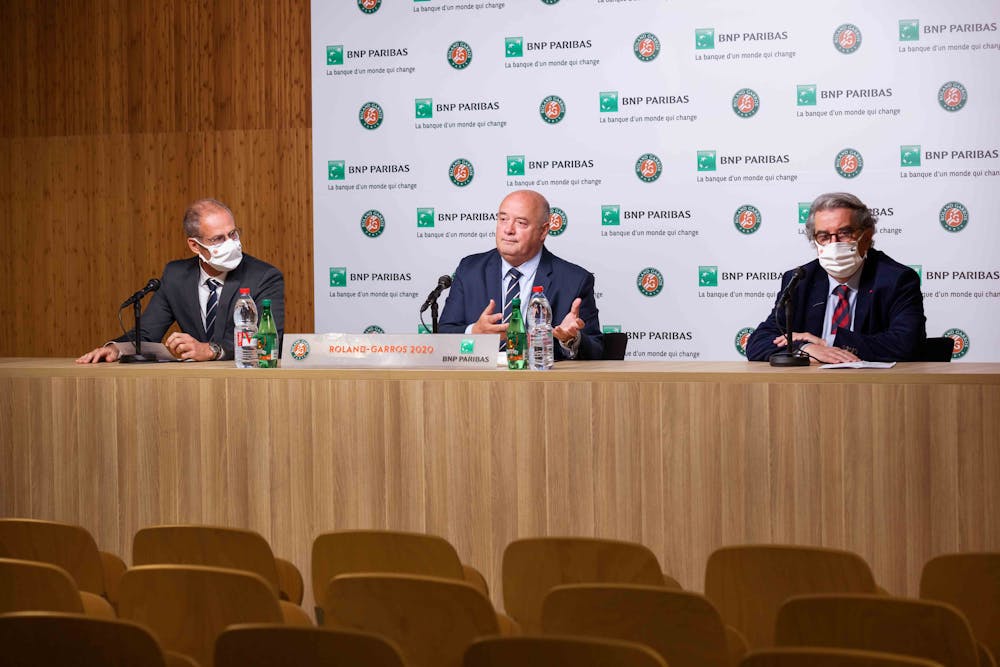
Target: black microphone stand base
<point>137,359</point>
<point>788,359</point>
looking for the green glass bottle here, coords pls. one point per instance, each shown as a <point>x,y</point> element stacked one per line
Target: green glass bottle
<point>517,339</point>
<point>267,338</point>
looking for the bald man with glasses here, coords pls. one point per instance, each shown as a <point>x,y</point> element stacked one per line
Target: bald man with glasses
<point>853,302</point>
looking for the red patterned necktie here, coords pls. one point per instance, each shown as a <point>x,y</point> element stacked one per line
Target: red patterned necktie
<point>842,313</point>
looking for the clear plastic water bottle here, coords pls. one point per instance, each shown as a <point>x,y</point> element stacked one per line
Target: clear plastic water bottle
<point>245,321</point>
<point>539,331</point>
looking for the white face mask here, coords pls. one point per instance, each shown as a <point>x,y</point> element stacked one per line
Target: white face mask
<point>840,260</point>
<point>223,257</point>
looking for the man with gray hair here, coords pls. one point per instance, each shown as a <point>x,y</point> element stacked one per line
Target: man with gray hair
<point>199,293</point>
<point>853,302</point>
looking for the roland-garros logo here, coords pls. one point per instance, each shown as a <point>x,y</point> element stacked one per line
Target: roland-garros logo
<point>747,219</point>
<point>740,341</point>
<point>649,282</point>
<point>954,217</point>
<point>847,38</point>
<point>648,167</point>
<point>461,172</point>
<point>373,329</point>
<point>961,347</point>
<point>952,96</point>
<point>848,163</point>
<point>369,6</point>
<point>459,55</point>
<point>300,349</point>
<point>373,223</point>
<point>552,109</point>
<point>371,115</point>
<point>746,103</point>
<point>646,47</point>
<point>558,221</point>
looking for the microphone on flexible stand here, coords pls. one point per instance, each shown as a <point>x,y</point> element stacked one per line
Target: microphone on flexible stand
<point>789,357</point>
<point>136,301</point>
<point>444,282</point>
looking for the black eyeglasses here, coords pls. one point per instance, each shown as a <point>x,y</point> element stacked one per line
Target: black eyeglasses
<point>847,234</point>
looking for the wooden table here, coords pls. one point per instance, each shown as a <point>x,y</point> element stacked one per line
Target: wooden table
<point>898,465</point>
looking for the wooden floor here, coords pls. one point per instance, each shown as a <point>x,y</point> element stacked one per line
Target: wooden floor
<point>897,465</point>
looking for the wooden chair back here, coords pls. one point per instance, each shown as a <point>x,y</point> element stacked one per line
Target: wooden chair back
<point>919,628</point>
<point>549,651</point>
<point>830,657</point>
<point>34,586</point>
<point>188,606</point>
<point>533,566</point>
<point>70,547</point>
<point>683,627</point>
<point>430,619</point>
<point>45,639</point>
<point>747,584</point>
<point>262,645</point>
<point>213,546</point>
<point>970,582</point>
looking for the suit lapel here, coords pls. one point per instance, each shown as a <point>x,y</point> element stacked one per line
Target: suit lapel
<point>191,286</point>
<point>543,275</point>
<point>493,286</point>
<point>863,305</point>
<point>816,303</point>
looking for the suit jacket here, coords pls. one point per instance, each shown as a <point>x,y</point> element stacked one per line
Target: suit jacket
<point>177,301</point>
<point>889,322</point>
<point>477,280</point>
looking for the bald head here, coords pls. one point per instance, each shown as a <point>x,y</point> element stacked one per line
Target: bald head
<point>522,225</point>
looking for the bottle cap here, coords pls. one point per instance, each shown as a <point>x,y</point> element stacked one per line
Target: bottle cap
<point>266,303</point>
<point>244,290</point>
<point>537,288</point>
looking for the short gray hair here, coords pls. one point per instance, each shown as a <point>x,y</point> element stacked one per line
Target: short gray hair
<point>196,211</point>
<point>861,217</point>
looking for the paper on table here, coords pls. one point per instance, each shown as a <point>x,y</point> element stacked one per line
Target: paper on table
<point>861,364</point>
<point>159,350</point>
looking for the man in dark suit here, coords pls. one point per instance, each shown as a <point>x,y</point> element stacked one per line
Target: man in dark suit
<point>477,304</point>
<point>199,293</point>
<point>852,302</point>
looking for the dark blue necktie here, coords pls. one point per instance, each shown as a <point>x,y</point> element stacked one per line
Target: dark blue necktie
<point>210,306</point>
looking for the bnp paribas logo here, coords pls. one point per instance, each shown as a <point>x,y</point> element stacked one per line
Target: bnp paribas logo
<point>461,172</point>
<point>954,217</point>
<point>369,6</point>
<point>338,276</point>
<point>611,215</point>
<point>961,347</point>
<point>646,47</point>
<point>371,115</point>
<point>919,268</point>
<point>335,54</point>
<point>741,339</point>
<point>552,109</point>
<point>847,38</point>
<point>805,95</point>
<point>848,163</point>
<point>467,346</point>
<point>704,38</point>
<point>608,101</point>
<point>422,329</point>
<point>706,160</point>
<point>611,328</point>
<point>952,96</point>
<point>513,47</point>
<point>648,167</point>
<point>423,107</point>
<point>909,30</point>
<point>373,223</point>
<point>515,165</point>
<point>558,221</point>
<point>459,55</point>
<point>335,170</point>
<point>804,208</point>
<point>746,103</point>
<point>747,219</point>
<point>373,329</point>
<point>708,276</point>
<point>909,156</point>
<point>425,217</point>
<point>649,281</point>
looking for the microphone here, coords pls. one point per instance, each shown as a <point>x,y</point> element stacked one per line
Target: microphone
<point>444,282</point>
<point>790,288</point>
<point>151,286</point>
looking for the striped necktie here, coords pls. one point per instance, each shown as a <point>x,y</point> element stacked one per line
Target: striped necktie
<point>513,290</point>
<point>210,306</point>
<point>842,313</point>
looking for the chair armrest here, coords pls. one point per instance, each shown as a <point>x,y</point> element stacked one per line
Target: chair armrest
<point>476,578</point>
<point>293,614</point>
<point>290,584</point>
<point>508,626</point>
<point>113,568</point>
<point>670,582</point>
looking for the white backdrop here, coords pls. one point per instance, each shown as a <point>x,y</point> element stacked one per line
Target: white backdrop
<point>736,107</point>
